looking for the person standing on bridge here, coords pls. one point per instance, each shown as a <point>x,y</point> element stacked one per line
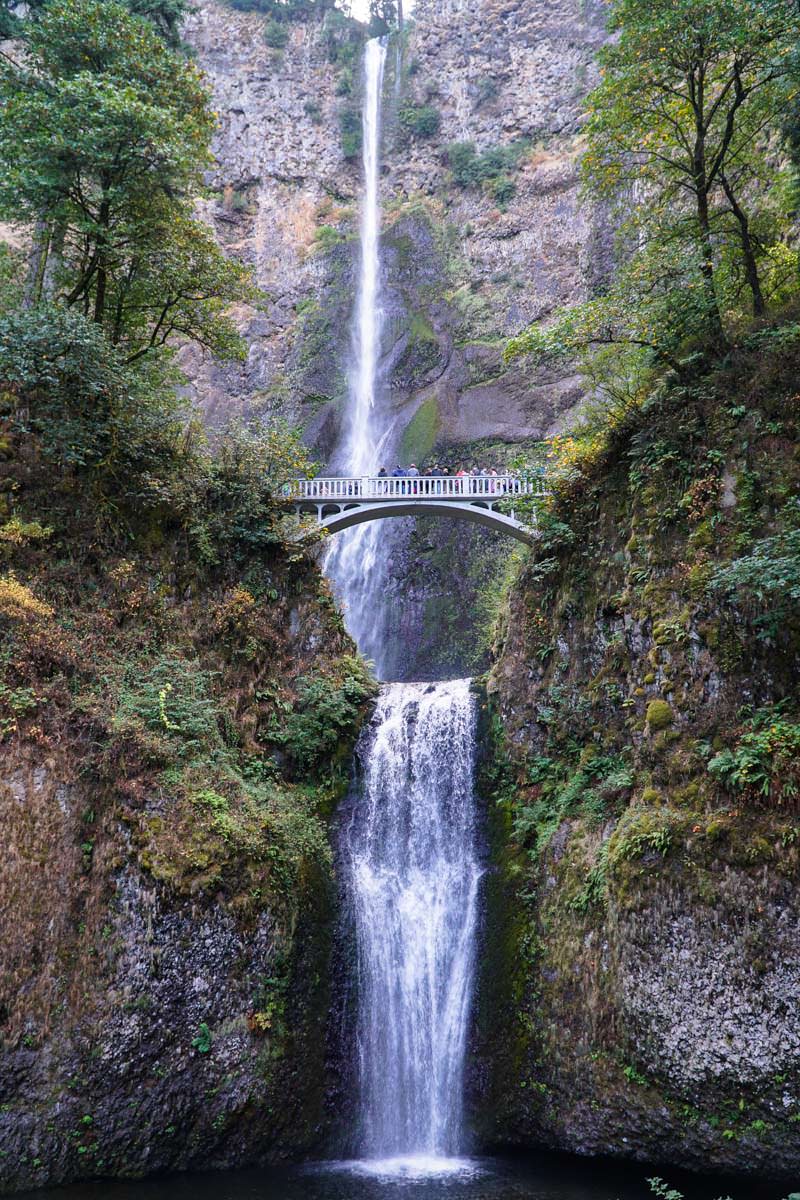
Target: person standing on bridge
<point>382,476</point>
<point>398,473</point>
<point>414,473</point>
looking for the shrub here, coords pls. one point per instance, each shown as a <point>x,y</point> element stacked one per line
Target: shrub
<point>202,1043</point>
<point>20,533</point>
<point>18,601</point>
<point>326,714</point>
<point>502,189</point>
<point>85,410</point>
<point>173,699</point>
<point>420,120</point>
<point>351,133</point>
<point>344,84</point>
<point>765,762</point>
<point>276,35</point>
<point>473,169</point>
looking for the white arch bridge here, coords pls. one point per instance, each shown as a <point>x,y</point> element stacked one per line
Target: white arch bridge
<point>340,503</point>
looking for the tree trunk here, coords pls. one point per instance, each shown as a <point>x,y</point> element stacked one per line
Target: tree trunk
<point>36,263</point>
<point>53,264</point>
<point>102,264</point>
<point>697,87</point>
<point>748,253</point>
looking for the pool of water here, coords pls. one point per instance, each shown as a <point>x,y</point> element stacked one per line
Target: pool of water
<point>540,1177</point>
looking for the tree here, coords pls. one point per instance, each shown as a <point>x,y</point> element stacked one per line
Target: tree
<point>383,17</point>
<point>165,15</point>
<point>104,133</point>
<point>681,141</point>
<point>680,120</point>
<point>65,387</point>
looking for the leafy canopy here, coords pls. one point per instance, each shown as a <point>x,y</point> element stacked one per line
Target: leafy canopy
<point>104,134</point>
<point>681,142</point>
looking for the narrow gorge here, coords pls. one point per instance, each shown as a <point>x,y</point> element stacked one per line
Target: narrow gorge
<point>411,859</point>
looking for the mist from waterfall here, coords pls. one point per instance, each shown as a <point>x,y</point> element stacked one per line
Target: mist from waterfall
<point>413,878</point>
<point>356,561</point>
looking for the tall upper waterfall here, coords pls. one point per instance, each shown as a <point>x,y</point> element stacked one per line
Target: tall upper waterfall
<point>413,877</point>
<point>360,448</point>
<point>355,561</point>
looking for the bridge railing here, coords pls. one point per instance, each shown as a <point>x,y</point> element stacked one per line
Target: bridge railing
<point>384,487</point>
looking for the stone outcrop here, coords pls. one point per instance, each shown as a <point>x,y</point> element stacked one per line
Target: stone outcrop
<point>461,272</point>
<point>644,914</point>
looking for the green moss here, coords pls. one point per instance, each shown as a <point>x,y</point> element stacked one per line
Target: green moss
<point>419,436</point>
<point>658,715</point>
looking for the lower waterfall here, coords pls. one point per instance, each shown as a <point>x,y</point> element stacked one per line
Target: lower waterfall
<point>413,874</point>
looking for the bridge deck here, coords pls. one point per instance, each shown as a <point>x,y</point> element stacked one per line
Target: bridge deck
<point>410,487</point>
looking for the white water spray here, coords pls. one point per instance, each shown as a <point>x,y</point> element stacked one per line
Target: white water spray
<point>354,560</point>
<point>413,876</point>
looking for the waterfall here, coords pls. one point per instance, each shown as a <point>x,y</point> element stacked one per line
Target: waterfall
<point>355,561</point>
<point>409,848</point>
<point>413,875</point>
<point>360,448</point>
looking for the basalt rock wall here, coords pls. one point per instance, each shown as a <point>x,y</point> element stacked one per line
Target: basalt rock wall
<point>462,269</point>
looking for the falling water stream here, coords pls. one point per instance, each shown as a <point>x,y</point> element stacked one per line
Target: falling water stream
<point>413,875</point>
<point>356,561</point>
<point>412,871</point>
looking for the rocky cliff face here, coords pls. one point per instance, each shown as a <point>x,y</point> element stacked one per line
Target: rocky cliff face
<point>165,973</point>
<point>177,718</point>
<point>462,269</point>
<point>644,914</point>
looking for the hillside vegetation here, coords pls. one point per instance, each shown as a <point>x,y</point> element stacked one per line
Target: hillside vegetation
<point>644,705</point>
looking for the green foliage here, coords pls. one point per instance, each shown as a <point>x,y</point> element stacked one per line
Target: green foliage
<point>561,788</point>
<point>327,236</point>
<point>351,133</point>
<point>420,120</point>
<point>232,498</point>
<point>382,17</point>
<point>681,132</point>
<point>343,39</point>
<point>202,1042</point>
<point>764,763</point>
<point>490,168</point>
<point>658,715</point>
<point>85,409</point>
<point>344,82</point>
<point>640,831</point>
<point>664,1192</point>
<point>767,580</point>
<point>12,269</point>
<point>276,35</point>
<point>326,713</point>
<point>104,136</point>
<point>166,15</point>
<point>171,698</point>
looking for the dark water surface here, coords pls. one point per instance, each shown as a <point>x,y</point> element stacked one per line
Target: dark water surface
<point>540,1177</point>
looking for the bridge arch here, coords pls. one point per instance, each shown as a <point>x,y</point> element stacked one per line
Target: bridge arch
<point>357,514</point>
